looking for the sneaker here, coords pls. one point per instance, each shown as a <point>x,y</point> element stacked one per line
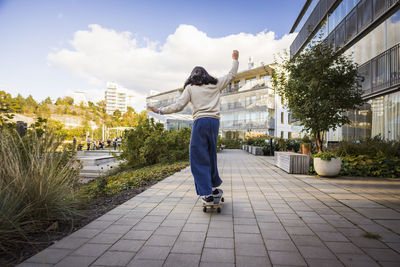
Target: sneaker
<point>208,200</point>
<point>216,192</point>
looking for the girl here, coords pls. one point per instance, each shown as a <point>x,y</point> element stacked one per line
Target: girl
<point>203,91</point>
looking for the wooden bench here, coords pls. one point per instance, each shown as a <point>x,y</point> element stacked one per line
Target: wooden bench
<point>292,162</point>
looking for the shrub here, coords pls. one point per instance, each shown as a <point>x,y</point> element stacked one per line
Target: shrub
<point>377,166</point>
<point>131,179</point>
<point>231,143</point>
<point>149,143</point>
<point>36,185</point>
<point>325,155</point>
<point>370,147</point>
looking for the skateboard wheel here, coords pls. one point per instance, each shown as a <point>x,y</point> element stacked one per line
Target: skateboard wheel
<point>204,209</point>
<point>222,199</point>
<point>219,210</point>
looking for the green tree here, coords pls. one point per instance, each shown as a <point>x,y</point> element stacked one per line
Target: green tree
<point>7,107</point>
<point>320,85</point>
<point>47,101</point>
<point>66,100</point>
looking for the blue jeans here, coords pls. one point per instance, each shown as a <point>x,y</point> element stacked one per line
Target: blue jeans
<point>203,155</point>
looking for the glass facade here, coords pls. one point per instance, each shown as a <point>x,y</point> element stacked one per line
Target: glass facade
<point>343,9</point>
<point>386,116</point>
<point>248,110</point>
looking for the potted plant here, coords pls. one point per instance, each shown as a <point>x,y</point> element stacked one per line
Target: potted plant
<point>327,164</point>
<point>306,145</point>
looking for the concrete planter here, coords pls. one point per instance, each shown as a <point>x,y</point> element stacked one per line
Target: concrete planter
<point>257,150</point>
<point>328,168</point>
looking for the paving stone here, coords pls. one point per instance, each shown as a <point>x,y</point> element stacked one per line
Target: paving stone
<point>146,226</point>
<point>250,229</point>
<point>248,238</point>
<point>97,224</point>
<point>117,229</point>
<point>324,263</point>
<point>220,233</point>
<point>184,260</point>
<point>343,247</point>
<point>383,254</point>
<point>244,249</point>
<point>127,245</point>
<point>49,256</point>
<point>105,238</point>
<point>218,255</point>
<point>33,264</point>
<point>168,230</point>
<point>75,261</point>
<point>299,230</point>
<point>145,263</point>
<point>316,252</point>
<point>275,234</point>
<point>357,260</point>
<point>219,242</point>
<point>153,253</point>
<point>286,258</point>
<point>195,227</point>
<point>115,258</point>
<point>280,245</point>
<point>94,250</point>
<point>192,236</point>
<point>192,247</point>
<point>70,243</point>
<point>139,235</point>
<point>216,264</point>
<point>85,233</point>
<point>161,240</point>
<point>332,236</point>
<point>251,261</point>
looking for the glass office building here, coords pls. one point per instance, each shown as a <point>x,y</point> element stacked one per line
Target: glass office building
<point>369,32</point>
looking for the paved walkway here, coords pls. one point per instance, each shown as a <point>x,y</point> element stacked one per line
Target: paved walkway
<point>269,218</point>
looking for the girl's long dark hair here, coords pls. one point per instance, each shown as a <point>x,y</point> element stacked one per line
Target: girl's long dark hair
<point>200,76</point>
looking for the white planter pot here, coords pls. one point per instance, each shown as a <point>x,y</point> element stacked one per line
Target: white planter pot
<point>327,168</point>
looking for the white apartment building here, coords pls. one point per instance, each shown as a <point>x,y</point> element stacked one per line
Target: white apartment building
<point>79,98</point>
<point>117,98</point>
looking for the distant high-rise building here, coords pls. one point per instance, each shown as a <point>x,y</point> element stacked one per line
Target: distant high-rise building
<point>117,98</point>
<point>79,98</point>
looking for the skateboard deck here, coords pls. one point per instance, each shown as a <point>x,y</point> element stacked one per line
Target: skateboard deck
<point>217,203</point>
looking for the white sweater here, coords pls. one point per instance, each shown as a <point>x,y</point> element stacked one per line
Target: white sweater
<point>205,98</point>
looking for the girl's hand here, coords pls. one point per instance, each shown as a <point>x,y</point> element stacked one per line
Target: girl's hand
<point>155,110</point>
<point>235,54</point>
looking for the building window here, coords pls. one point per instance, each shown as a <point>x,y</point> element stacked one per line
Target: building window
<point>289,135</point>
<point>282,117</point>
<point>282,100</point>
<point>247,100</point>
<point>282,134</point>
<point>289,119</point>
<point>253,99</point>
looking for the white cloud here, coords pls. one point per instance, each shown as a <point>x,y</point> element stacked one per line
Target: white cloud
<point>100,55</point>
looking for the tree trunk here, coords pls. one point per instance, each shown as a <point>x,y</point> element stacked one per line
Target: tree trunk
<point>318,142</point>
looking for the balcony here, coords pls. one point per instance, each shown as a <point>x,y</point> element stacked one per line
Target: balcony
<point>247,124</point>
<point>382,72</point>
<point>316,17</point>
<point>358,20</point>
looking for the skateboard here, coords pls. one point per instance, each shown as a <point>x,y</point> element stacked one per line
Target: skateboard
<point>217,203</point>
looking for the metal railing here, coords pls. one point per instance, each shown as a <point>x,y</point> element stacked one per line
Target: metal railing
<point>247,124</point>
<point>382,72</point>
<point>358,19</point>
<point>315,18</point>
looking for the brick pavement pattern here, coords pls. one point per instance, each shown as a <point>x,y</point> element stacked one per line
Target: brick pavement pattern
<point>269,218</point>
